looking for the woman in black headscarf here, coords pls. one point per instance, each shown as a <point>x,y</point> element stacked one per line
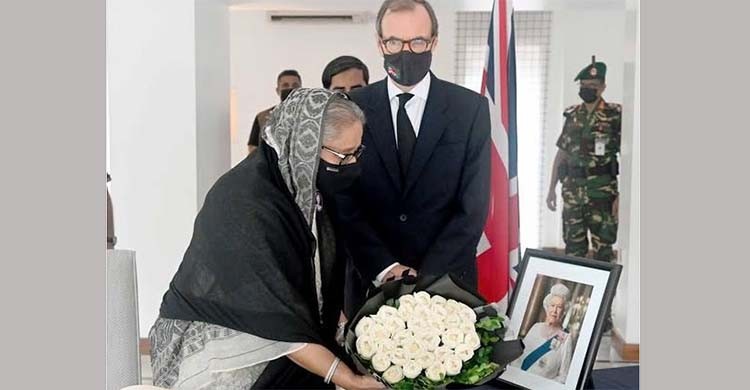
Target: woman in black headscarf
<point>256,299</point>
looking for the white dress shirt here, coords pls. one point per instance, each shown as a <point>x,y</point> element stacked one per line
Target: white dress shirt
<point>415,105</point>
<point>414,110</point>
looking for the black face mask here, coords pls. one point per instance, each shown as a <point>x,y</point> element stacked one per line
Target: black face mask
<point>407,68</point>
<point>333,179</point>
<point>587,94</point>
<point>285,93</point>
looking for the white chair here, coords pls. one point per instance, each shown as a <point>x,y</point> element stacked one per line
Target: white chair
<point>123,360</point>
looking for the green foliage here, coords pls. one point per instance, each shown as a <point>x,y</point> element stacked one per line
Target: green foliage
<point>490,323</point>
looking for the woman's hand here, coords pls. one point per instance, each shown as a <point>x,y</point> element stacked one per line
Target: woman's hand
<point>356,382</point>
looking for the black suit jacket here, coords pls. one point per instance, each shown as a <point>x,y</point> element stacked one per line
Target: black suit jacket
<point>433,221</point>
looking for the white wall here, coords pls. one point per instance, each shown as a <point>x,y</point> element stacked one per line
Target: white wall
<point>212,92</point>
<point>261,49</point>
<point>154,142</point>
<point>627,307</point>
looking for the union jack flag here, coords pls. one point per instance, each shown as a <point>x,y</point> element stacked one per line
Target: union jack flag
<point>498,250</point>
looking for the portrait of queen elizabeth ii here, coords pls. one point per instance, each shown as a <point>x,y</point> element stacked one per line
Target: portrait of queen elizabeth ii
<point>548,343</point>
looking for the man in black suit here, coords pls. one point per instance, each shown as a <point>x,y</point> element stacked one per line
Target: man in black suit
<point>422,200</point>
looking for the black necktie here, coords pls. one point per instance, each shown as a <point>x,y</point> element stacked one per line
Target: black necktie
<point>406,136</point>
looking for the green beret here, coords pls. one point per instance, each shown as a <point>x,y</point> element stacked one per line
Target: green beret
<point>595,70</point>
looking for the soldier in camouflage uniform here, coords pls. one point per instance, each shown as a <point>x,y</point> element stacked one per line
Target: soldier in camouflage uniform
<point>586,164</point>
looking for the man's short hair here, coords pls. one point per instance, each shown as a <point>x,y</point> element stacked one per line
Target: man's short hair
<point>342,64</point>
<point>289,72</point>
<point>404,5</point>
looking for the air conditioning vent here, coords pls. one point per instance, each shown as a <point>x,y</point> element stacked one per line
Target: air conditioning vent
<point>318,17</point>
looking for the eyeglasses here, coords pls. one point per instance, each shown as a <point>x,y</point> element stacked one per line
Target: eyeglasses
<point>347,158</point>
<point>416,45</point>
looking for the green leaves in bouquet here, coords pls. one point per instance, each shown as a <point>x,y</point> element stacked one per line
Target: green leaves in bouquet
<point>404,384</point>
<point>490,323</point>
<point>481,364</point>
<point>476,373</point>
<point>489,329</point>
<point>477,368</point>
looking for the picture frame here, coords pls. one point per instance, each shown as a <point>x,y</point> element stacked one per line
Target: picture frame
<point>558,309</point>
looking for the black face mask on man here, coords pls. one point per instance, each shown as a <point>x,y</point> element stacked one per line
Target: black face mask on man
<point>588,94</point>
<point>407,68</point>
<point>284,93</point>
<point>333,179</point>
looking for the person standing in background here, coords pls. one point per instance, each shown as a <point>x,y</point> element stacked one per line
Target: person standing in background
<point>345,73</point>
<point>286,82</point>
<point>586,165</point>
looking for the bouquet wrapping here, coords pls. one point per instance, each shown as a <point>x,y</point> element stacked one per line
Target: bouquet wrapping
<point>429,333</point>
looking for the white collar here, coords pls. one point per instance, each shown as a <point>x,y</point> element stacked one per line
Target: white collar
<point>421,90</point>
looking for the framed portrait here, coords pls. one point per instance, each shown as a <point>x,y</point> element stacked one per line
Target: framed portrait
<point>558,309</point>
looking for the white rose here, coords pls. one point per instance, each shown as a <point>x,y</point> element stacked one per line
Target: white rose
<point>406,311</point>
<point>425,359</point>
<point>379,331</point>
<point>422,298</point>
<point>398,356</point>
<point>418,324</point>
<point>385,346</point>
<point>468,314</point>
<point>463,352</point>
<point>412,369</point>
<point>380,318</point>
<point>438,300</point>
<point>422,312</point>
<point>363,326</point>
<point>366,347</point>
<point>453,321</point>
<point>472,340</point>
<point>407,299</point>
<point>442,352</point>
<point>452,365</point>
<point>437,324</point>
<point>435,372</point>
<point>401,337</point>
<point>467,328</point>
<point>387,311</point>
<point>462,306</point>
<point>452,306</point>
<point>395,324</point>
<point>439,311</point>
<point>453,337</point>
<point>381,361</point>
<point>429,340</point>
<point>393,375</point>
<point>412,349</point>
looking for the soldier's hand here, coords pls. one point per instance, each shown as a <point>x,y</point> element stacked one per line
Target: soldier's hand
<point>552,200</point>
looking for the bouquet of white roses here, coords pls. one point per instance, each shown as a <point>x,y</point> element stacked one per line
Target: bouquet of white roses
<point>429,338</point>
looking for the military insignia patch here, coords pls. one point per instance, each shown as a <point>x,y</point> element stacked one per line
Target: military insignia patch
<point>592,72</point>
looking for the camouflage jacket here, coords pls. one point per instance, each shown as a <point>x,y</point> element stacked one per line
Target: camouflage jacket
<point>581,130</point>
<point>579,138</point>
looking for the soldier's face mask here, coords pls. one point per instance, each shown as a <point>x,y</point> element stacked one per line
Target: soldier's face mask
<point>284,93</point>
<point>588,94</point>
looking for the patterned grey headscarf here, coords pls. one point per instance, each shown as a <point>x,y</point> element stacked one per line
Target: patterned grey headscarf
<point>294,131</point>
